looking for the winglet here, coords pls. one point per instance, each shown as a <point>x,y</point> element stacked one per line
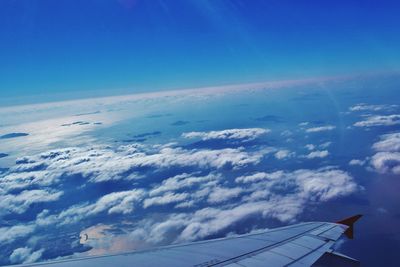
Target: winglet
<point>350,223</point>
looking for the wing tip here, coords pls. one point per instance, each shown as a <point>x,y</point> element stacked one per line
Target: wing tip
<point>350,221</point>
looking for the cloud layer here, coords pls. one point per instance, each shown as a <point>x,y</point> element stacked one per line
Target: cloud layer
<point>230,134</point>
<point>206,191</point>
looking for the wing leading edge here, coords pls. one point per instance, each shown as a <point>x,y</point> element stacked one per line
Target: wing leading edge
<point>305,244</point>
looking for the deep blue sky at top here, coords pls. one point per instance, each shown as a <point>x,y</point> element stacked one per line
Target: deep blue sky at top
<point>68,47</point>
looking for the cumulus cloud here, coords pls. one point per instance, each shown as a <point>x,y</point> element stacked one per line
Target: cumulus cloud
<point>379,120</point>
<point>283,154</point>
<point>259,176</point>
<point>325,183</point>
<point>36,179</point>
<point>12,233</point>
<point>25,255</point>
<point>235,157</point>
<point>356,162</point>
<point>280,195</point>
<point>229,134</point>
<point>183,181</point>
<point>386,162</point>
<point>197,186</point>
<point>387,158</point>
<point>220,194</point>
<point>388,143</point>
<point>321,184</point>
<point>320,129</point>
<point>167,198</point>
<point>184,227</point>
<point>208,221</point>
<point>122,202</point>
<point>310,146</point>
<point>20,203</point>
<point>101,164</point>
<point>119,202</point>
<point>317,154</point>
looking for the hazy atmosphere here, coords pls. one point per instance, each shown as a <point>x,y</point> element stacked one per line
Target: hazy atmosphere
<point>133,124</point>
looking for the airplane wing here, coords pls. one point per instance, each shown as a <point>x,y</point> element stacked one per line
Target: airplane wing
<point>304,244</point>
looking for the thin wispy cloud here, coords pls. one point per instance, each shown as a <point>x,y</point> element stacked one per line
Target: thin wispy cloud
<point>379,120</point>
<point>320,129</point>
<point>317,154</point>
<point>367,107</point>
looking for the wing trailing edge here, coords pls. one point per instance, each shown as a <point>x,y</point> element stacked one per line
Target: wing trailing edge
<point>336,259</point>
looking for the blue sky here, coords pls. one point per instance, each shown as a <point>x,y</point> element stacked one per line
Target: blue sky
<point>70,48</point>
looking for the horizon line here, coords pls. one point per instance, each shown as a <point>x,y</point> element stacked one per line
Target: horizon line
<point>231,87</point>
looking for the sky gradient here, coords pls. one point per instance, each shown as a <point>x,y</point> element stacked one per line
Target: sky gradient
<point>53,50</point>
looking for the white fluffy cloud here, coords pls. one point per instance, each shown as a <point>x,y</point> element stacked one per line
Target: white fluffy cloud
<point>100,164</point>
<point>25,255</point>
<point>387,158</point>
<point>264,196</point>
<point>259,176</point>
<point>119,202</point>
<point>317,154</point>
<point>208,221</point>
<point>229,134</point>
<point>283,154</point>
<point>34,179</point>
<point>12,233</point>
<point>379,120</point>
<point>355,162</point>
<point>386,162</point>
<point>165,199</point>
<point>168,157</point>
<point>220,194</point>
<point>20,203</point>
<point>183,181</point>
<point>388,143</point>
<point>320,129</point>
<point>281,195</point>
<point>183,227</point>
<point>310,146</point>
<point>204,201</point>
<point>123,202</point>
<point>322,184</point>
